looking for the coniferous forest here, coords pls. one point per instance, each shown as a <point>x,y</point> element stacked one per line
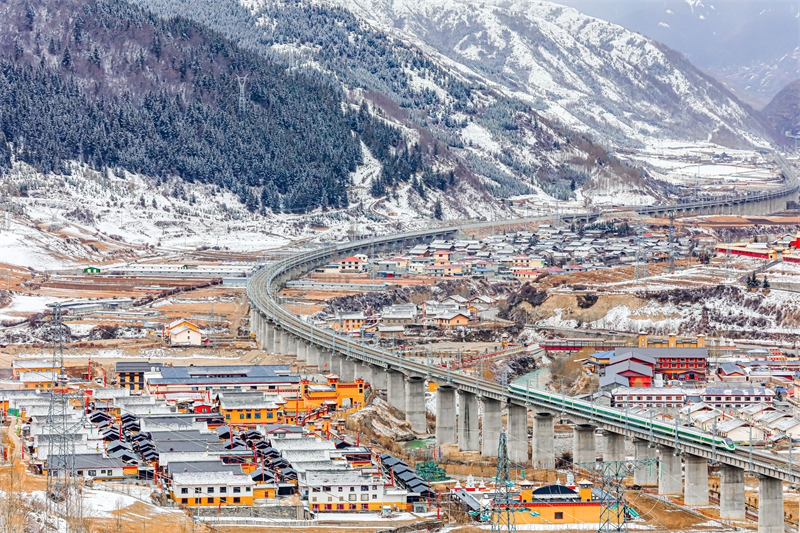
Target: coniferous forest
<point>112,85</point>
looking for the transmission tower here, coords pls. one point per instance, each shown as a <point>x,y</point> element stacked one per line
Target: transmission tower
<point>612,503</point>
<point>242,100</point>
<point>63,494</point>
<point>503,520</point>
<point>640,267</point>
<point>671,244</point>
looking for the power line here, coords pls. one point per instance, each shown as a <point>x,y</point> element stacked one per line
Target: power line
<point>63,494</point>
<point>503,520</point>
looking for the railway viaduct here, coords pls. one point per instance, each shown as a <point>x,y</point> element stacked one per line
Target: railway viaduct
<point>469,408</point>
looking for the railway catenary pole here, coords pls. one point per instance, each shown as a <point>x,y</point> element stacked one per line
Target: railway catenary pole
<point>269,279</point>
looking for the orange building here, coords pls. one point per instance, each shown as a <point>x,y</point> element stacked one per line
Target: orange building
<point>250,409</point>
<point>451,319</point>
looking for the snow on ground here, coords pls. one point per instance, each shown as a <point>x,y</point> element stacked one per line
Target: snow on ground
<point>372,517</point>
<point>120,354</point>
<point>101,504</point>
<point>24,305</point>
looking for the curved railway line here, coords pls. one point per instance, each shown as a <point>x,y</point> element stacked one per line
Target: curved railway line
<point>262,291</point>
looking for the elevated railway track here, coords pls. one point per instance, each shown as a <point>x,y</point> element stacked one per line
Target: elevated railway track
<point>271,321</point>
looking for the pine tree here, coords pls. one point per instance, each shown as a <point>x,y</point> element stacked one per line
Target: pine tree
<point>765,284</point>
<point>437,210</point>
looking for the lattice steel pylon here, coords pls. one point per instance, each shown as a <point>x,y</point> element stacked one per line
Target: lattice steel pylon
<point>503,520</point>
<point>242,98</point>
<point>671,252</point>
<point>612,501</point>
<point>63,498</point>
<point>640,267</point>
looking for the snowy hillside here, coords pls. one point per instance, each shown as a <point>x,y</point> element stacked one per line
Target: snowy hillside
<point>590,75</point>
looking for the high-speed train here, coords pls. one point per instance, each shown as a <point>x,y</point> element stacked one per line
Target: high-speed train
<point>594,411</point>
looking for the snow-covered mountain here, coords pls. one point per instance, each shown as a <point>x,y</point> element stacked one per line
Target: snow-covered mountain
<point>591,75</point>
<point>752,45</point>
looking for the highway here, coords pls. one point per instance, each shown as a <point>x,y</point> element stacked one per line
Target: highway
<point>263,286</point>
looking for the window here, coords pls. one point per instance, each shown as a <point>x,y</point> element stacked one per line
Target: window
<point>80,472</point>
<point>364,488</point>
<point>198,490</point>
<point>365,497</point>
<point>198,501</point>
<point>223,500</point>
<point>315,489</point>
<point>340,507</point>
<point>352,489</point>
<point>315,507</point>
<point>247,489</point>
<point>184,490</point>
<point>559,516</point>
<point>341,489</point>
<point>211,490</point>
<point>237,490</point>
<point>258,415</point>
<point>209,500</point>
<point>374,496</point>
<point>352,507</point>
<point>352,497</point>
<point>237,499</point>
<point>328,507</point>
<point>184,500</point>
<point>248,416</point>
<point>223,490</point>
<point>364,507</point>
<point>269,415</point>
<point>326,489</point>
<point>91,473</point>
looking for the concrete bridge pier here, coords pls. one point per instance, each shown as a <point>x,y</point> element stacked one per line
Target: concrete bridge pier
<point>364,371</point>
<point>670,480</point>
<point>312,355</point>
<point>695,489</point>
<point>492,425</point>
<point>396,389</point>
<point>615,447</point>
<point>415,404</point>
<point>300,349</point>
<point>269,336</point>
<point>542,450</point>
<point>286,344</point>
<point>517,433</point>
<point>325,361</point>
<point>378,378</point>
<point>445,415</point>
<point>275,345</point>
<point>646,475</point>
<point>346,370</point>
<point>467,422</point>
<point>770,505</point>
<point>583,444</point>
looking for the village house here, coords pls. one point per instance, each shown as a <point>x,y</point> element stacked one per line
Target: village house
<point>646,397</point>
<point>451,319</point>
<point>352,265</point>
<point>353,491</point>
<point>182,332</point>
<point>212,489</point>
<point>728,398</point>
<point>195,381</point>
<point>130,375</point>
<point>246,408</point>
<point>349,322</point>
